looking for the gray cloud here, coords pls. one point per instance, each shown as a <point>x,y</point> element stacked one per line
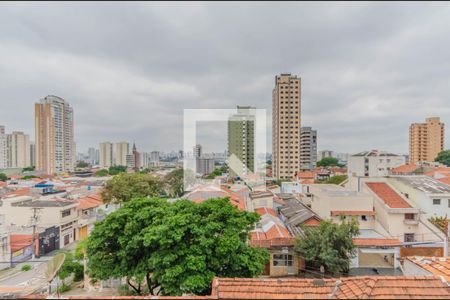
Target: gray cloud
<point>129,69</point>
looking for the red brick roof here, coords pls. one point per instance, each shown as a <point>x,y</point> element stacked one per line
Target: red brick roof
<point>390,197</point>
<point>352,213</point>
<point>88,202</point>
<point>265,210</point>
<point>439,266</point>
<point>364,287</point>
<point>305,175</point>
<point>445,180</point>
<point>405,169</point>
<point>361,242</point>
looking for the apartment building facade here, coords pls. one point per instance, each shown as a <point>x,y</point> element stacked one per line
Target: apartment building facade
<point>426,140</point>
<point>241,145</point>
<point>54,140</point>
<point>373,163</point>
<point>286,126</point>
<point>18,145</point>
<point>106,154</point>
<point>3,148</point>
<point>308,148</point>
<point>122,150</point>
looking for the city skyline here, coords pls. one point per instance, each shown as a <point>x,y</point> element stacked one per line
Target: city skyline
<point>147,86</point>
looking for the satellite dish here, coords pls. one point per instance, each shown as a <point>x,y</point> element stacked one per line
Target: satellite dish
<point>54,265</point>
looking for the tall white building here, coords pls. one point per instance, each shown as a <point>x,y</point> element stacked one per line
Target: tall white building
<point>373,163</point>
<point>106,154</point>
<point>286,124</point>
<point>122,150</point>
<point>3,149</point>
<point>54,143</point>
<point>93,155</point>
<point>18,150</point>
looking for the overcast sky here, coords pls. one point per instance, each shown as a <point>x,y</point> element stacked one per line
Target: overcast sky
<point>129,69</point>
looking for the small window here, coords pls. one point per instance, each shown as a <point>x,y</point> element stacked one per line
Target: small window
<point>409,216</point>
<point>65,213</point>
<point>436,201</point>
<point>283,260</point>
<point>364,218</point>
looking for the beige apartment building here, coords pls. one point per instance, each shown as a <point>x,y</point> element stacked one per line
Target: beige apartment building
<point>426,140</point>
<point>122,150</point>
<point>54,143</point>
<point>286,126</point>
<point>106,154</point>
<point>18,150</point>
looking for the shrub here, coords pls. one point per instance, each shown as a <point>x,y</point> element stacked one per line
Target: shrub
<point>64,288</point>
<point>26,267</point>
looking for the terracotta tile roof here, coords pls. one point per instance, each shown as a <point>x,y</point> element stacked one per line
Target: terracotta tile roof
<point>88,202</point>
<point>405,169</point>
<point>20,192</point>
<point>352,213</point>
<point>365,287</point>
<point>265,210</point>
<point>439,266</point>
<point>361,242</point>
<point>445,180</point>
<point>3,184</point>
<point>441,170</point>
<point>390,197</point>
<point>305,175</point>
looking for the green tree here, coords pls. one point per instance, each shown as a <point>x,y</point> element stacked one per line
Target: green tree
<point>82,164</point>
<point>338,179</point>
<point>114,170</point>
<point>124,187</point>
<point>174,183</point>
<point>26,177</point>
<point>174,248</point>
<point>102,173</point>
<point>3,177</point>
<point>444,157</point>
<point>328,162</point>
<point>439,222</point>
<point>29,169</point>
<point>71,266</point>
<point>329,245</point>
<point>218,172</point>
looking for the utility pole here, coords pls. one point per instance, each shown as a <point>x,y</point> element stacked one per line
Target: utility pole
<point>34,222</point>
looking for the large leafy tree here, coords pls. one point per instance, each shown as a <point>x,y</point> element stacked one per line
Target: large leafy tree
<point>174,183</point>
<point>174,248</point>
<point>3,177</point>
<point>328,162</point>
<point>123,187</point>
<point>114,170</point>
<point>444,157</point>
<point>329,245</point>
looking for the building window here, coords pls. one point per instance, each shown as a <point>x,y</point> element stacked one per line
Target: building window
<point>65,213</point>
<point>409,216</point>
<point>283,260</point>
<point>409,237</point>
<point>364,218</point>
<point>436,201</point>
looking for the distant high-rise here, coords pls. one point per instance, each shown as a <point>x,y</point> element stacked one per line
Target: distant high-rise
<point>198,151</point>
<point>286,124</point>
<point>18,145</point>
<point>54,143</point>
<point>308,148</point>
<point>426,140</point>
<point>32,153</point>
<point>106,154</point>
<point>154,156</point>
<point>134,160</point>
<point>241,135</point>
<point>93,156</point>
<point>122,150</point>
<point>3,148</point>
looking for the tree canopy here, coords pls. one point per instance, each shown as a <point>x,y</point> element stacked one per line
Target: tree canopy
<point>328,162</point>
<point>82,164</point>
<point>114,170</point>
<point>123,187</point>
<point>3,177</point>
<point>329,245</point>
<point>102,173</point>
<point>174,248</point>
<point>444,157</point>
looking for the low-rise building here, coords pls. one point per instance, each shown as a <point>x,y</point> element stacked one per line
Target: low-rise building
<point>373,163</point>
<point>428,194</point>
